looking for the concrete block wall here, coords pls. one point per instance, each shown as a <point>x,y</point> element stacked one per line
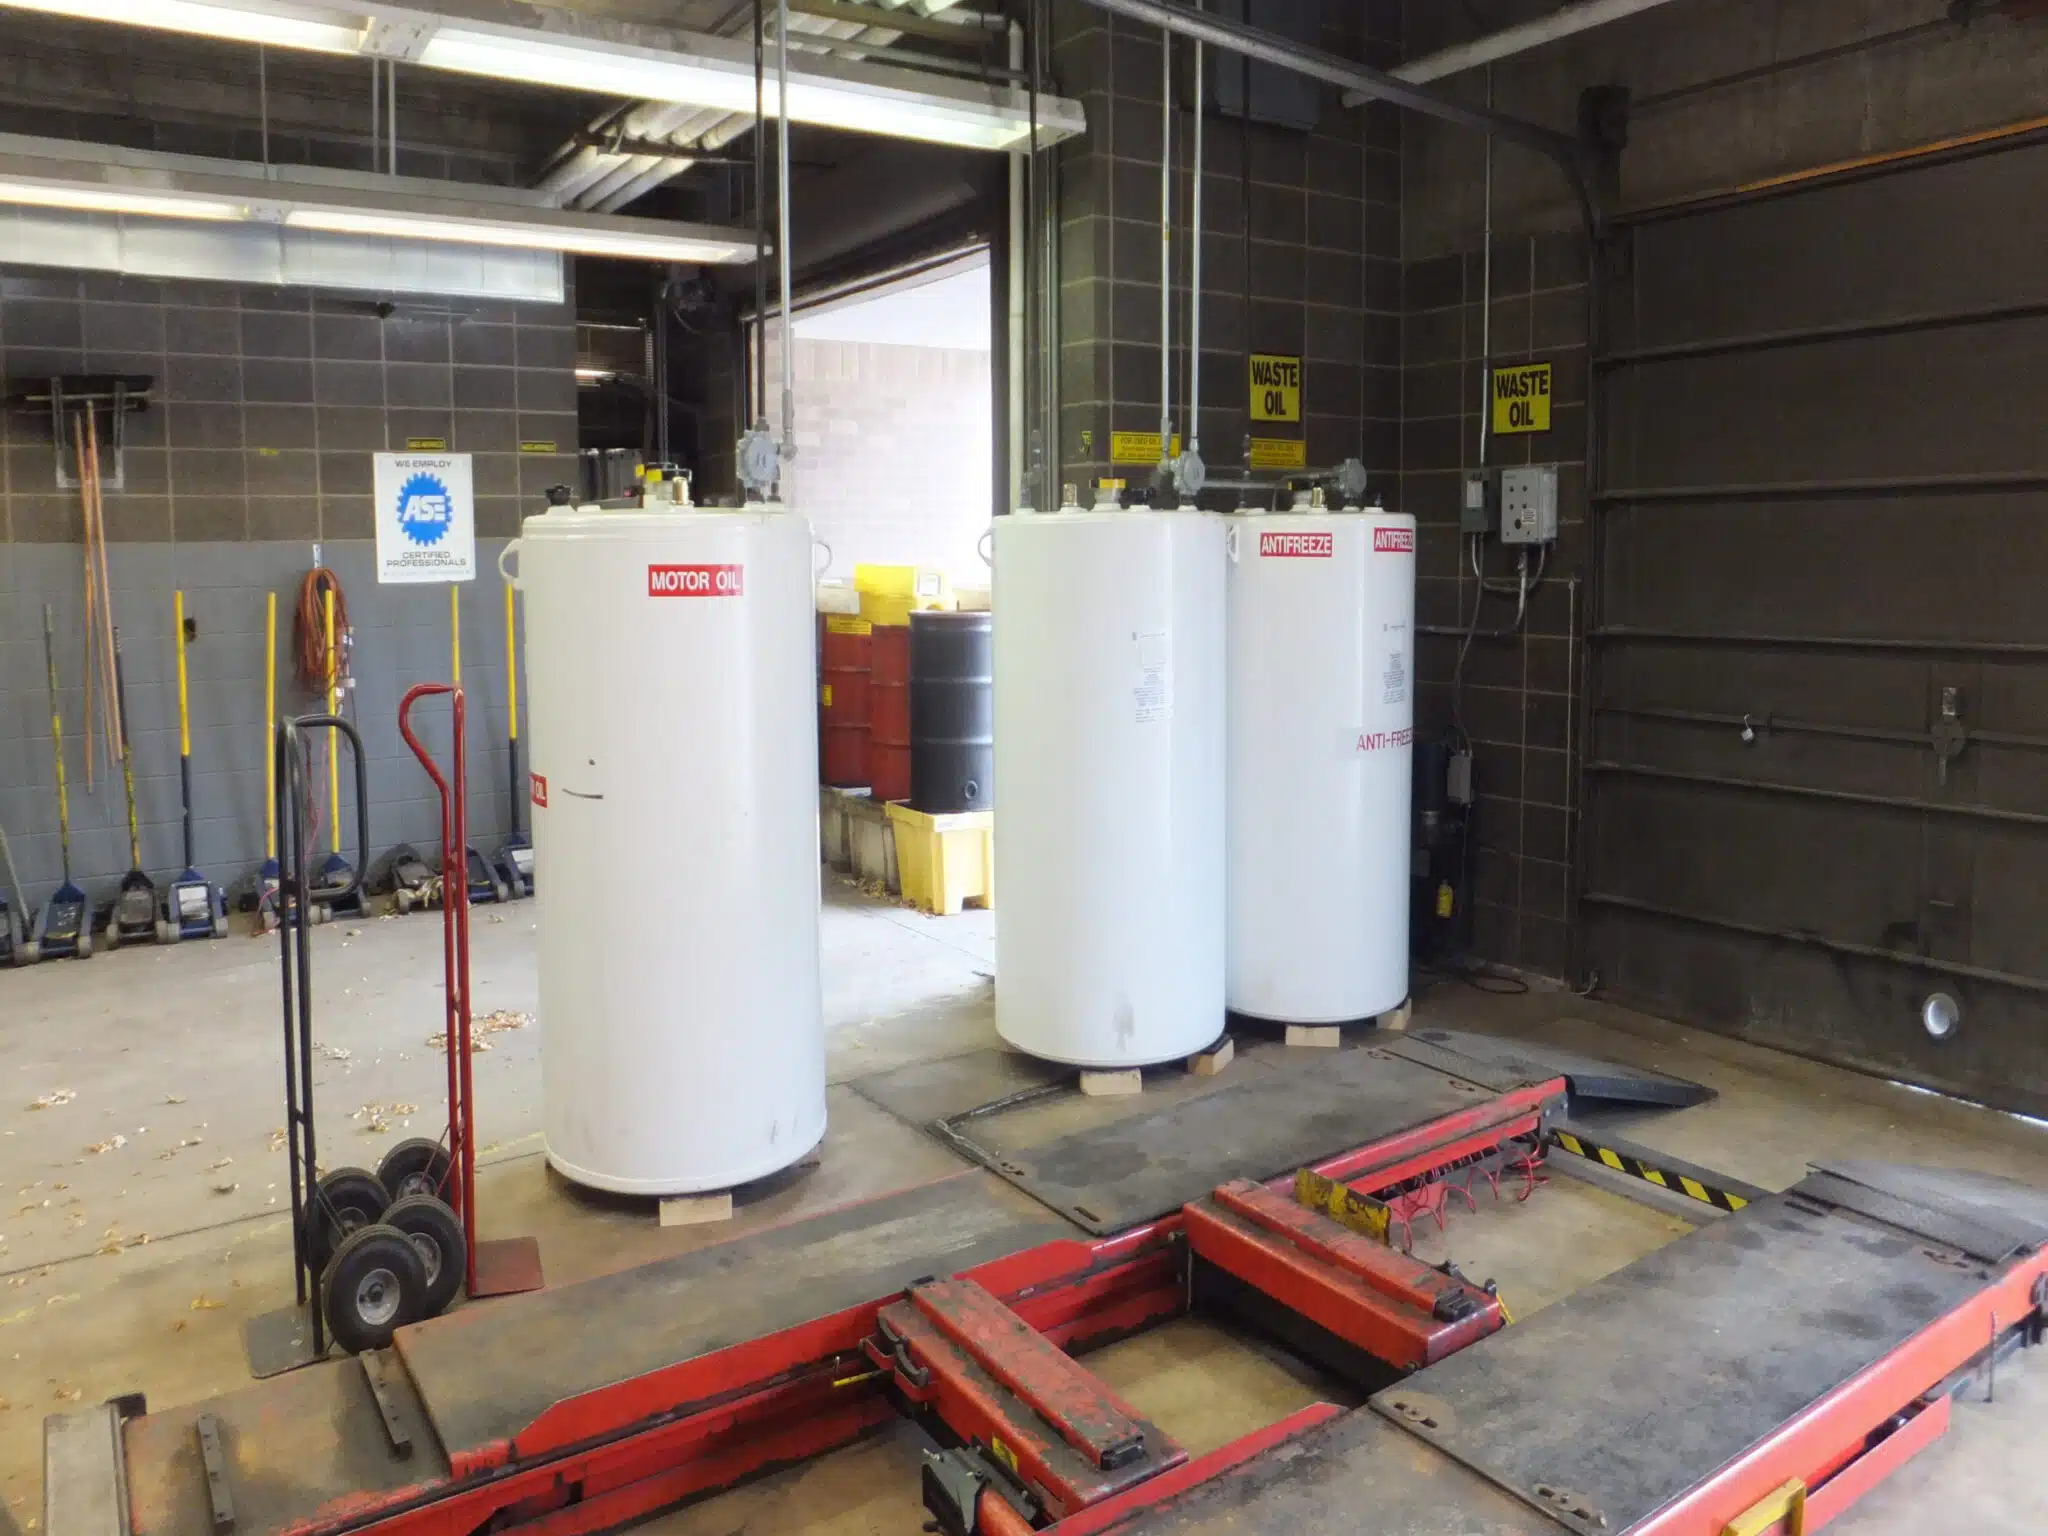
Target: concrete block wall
<point>893,452</point>
<point>254,462</point>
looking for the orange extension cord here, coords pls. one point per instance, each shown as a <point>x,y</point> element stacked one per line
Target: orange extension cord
<point>309,630</point>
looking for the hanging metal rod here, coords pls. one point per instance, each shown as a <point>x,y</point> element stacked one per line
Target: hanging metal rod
<point>1334,69</point>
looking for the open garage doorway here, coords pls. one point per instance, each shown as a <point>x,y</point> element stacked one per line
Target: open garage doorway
<point>895,417</point>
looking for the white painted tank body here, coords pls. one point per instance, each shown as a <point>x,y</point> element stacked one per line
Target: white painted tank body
<point>1109,747</point>
<point>1322,714</point>
<point>673,753</point>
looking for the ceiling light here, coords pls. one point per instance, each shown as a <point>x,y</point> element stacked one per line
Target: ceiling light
<point>115,199</point>
<point>279,26</point>
<point>98,178</point>
<point>577,52</point>
<point>581,238</point>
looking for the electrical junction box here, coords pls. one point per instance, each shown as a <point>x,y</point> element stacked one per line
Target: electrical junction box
<point>1528,505</point>
<point>1479,502</point>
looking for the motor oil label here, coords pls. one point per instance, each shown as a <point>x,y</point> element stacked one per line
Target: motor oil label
<point>696,580</point>
<point>1297,546</point>
<point>1152,698</point>
<point>1393,541</point>
<point>537,789</point>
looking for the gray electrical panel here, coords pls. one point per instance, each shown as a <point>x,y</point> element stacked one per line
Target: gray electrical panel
<point>1479,502</point>
<point>1528,505</point>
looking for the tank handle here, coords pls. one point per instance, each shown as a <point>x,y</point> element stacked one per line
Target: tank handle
<point>1230,542</point>
<point>985,547</point>
<point>511,578</point>
<point>818,570</point>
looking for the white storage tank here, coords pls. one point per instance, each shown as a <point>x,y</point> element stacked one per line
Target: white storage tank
<point>1322,714</point>
<point>1109,749</point>
<point>674,750</point>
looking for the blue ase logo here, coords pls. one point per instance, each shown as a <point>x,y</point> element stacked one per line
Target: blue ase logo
<point>424,512</point>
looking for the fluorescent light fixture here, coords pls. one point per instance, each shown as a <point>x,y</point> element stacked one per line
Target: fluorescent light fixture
<point>114,199</point>
<point>280,26</point>
<point>96,178</point>
<point>579,237</point>
<point>569,50</point>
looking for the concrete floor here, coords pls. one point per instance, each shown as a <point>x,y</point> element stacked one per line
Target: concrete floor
<point>139,1221</point>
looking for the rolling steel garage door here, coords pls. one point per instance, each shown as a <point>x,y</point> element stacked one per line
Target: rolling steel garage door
<point>1817,775</point>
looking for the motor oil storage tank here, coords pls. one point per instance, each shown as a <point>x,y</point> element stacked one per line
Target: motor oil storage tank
<point>674,743</point>
<point>1109,750</point>
<point>1322,713</point>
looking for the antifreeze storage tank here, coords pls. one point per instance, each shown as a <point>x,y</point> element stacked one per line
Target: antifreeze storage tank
<point>1322,710</point>
<point>1109,751</point>
<point>671,658</point>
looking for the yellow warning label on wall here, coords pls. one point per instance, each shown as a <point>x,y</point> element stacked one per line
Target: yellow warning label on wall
<point>847,624</point>
<point>1275,387</point>
<point>1279,453</point>
<point>426,445</point>
<point>1521,399</point>
<point>1139,447</point>
<point>825,694</point>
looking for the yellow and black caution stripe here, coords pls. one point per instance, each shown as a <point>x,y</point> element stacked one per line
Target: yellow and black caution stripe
<point>1717,1190</point>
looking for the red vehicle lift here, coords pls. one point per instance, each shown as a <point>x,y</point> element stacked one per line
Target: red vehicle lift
<point>1756,1375</point>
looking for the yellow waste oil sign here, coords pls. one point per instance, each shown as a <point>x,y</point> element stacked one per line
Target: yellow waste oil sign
<point>1279,453</point>
<point>1139,447</point>
<point>1276,387</point>
<point>1521,399</point>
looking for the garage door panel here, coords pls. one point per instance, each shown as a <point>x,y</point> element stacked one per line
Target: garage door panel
<point>1843,688</point>
<point>1848,1009</point>
<point>1786,265</point>
<point>1848,872</point>
<point>1941,568</point>
<point>1823,500</point>
<point>1869,408</point>
<point>1788,758</point>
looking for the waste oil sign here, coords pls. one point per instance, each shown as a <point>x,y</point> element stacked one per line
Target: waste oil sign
<point>1521,399</point>
<point>426,517</point>
<point>696,580</point>
<point>1275,387</point>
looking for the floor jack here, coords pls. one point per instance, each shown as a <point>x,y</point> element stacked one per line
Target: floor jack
<point>515,857</point>
<point>14,948</point>
<point>192,908</point>
<point>63,928</point>
<point>425,1167</point>
<point>134,917</point>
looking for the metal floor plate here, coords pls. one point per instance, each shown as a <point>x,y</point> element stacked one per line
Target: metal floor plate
<point>1591,1078</point>
<point>1355,1476</point>
<point>1758,1315</point>
<point>487,1372</point>
<point>1315,1104</point>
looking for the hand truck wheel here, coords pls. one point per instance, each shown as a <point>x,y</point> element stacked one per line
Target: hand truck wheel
<point>345,1201</point>
<point>437,1233</point>
<point>416,1166</point>
<point>373,1286</point>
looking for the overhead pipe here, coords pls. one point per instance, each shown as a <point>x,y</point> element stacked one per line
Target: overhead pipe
<point>1368,84</point>
<point>1165,247</point>
<point>1509,41</point>
<point>1195,266</point>
<point>788,444</point>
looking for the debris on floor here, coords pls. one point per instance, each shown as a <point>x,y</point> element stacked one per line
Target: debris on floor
<point>53,1099</point>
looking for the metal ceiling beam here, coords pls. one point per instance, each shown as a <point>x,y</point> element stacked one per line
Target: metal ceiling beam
<point>1509,41</point>
<point>1334,69</point>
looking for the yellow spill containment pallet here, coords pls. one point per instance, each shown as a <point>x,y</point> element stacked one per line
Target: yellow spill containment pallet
<point>945,862</point>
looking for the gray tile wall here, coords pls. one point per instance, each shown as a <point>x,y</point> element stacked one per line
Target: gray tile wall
<point>1519,693</point>
<point>257,447</point>
<point>269,402</point>
<point>401,638</point>
<point>1325,249</point>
